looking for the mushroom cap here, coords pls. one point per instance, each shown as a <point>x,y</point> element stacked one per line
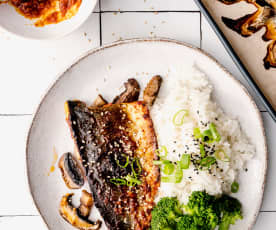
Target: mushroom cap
<point>131,93</point>
<point>70,214</point>
<point>71,170</point>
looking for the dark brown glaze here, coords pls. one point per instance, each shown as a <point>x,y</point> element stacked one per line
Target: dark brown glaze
<point>265,16</point>
<point>105,135</point>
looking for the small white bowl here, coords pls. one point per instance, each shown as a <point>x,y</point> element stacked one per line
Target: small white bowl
<point>17,24</point>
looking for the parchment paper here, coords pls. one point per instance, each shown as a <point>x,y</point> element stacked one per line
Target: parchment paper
<point>251,50</point>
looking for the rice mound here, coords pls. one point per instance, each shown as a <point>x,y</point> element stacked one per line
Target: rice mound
<point>192,91</point>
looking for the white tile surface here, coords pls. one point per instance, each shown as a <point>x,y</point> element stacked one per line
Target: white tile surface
<point>15,198</point>
<point>174,25</point>
<point>148,5</point>
<point>22,222</point>
<point>28,67</point>
<point>212,45</point>
<point>266,221</point>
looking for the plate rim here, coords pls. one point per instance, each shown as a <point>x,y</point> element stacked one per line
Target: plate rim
<point>92,51</point>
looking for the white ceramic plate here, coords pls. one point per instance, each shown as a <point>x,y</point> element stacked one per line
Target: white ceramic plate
<point>17,24</point>
<point>104,70</point>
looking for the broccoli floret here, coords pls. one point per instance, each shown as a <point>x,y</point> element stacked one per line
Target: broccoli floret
<point>231,211</point>
<point>165,214</point>
<point>200,200</point>
<point>204,210</point>
<point>186,222</point>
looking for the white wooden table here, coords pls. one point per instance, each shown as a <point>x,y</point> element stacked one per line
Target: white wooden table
<point>28,68</point>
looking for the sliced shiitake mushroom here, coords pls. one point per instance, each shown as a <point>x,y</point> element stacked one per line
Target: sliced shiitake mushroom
<point>131,93</point>
<point>71,171</point>
<point>99,101</point>
<point>270,59</point>
<point>71,215</point>
<point>86,203</point>
<point>152,89</point>
<point>229,2</point>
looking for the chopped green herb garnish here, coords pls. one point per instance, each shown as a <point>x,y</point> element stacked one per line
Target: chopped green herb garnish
<point>235,187</point>
<point>118,181</point>
<point>207,161</point>
<point>168,168</point>
<point>207,136</point>
<point>202,150</point>
<point>222,156</point>
<point>178,173</point>
<point>215,133</point>
<point>161,162</point>
<point>157,162</point>
<point>185,161</point>
<point>125,165</point>
<point>136,161</point>
<point>175,178</point>
<point>132,180</point>
<point>178,118</point>
<point>162,152</point>
<point>197,133</point>
<point>168,179</point>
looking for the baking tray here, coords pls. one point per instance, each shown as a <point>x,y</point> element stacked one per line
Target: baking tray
<point>248,52</point>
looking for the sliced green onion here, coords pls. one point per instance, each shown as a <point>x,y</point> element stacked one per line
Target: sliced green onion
<point>162,152</point>
<point>185,161</point>
<point>157,162</point>
<point>215,133</point>
<point>130,184</point>
<point>207,161</point>
<point>161,162</point>
<point>202,150</point>
<point>138,166</point>
<point>207,136</point>
<point>168,168</point>
<point>132,180</point>
<point>176,178</point>
<point>221,155</point>
<point>125,165</point>
<point>178,118</point>
<point>235,187</point>
<point>168,179</point>
<point>197,133</point>
<point>178,174</point>
<point>118,181</point>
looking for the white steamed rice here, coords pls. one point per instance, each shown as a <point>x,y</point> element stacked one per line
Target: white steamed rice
<point>192,91</point>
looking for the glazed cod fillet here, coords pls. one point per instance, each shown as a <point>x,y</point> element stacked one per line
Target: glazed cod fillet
<point>115,141</point>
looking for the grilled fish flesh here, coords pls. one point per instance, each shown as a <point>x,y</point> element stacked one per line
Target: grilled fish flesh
<point>116,144</point>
